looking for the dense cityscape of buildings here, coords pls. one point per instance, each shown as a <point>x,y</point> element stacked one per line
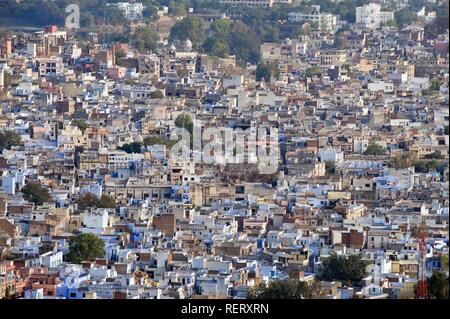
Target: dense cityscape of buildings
<point>361,165</point>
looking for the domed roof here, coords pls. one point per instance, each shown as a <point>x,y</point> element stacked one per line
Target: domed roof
<point>188,43</point>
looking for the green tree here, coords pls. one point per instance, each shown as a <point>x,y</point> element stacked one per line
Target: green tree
<point>446,130</point>
<point>348,270</point>
<point>221,28</point>
<point>81,124</point>
<point>4,33</point>
<point>437,285</point>
<point>285,289</point>
<point>244,43</point>
<point>114,16</point>
<point>435,85</point>
<point>341,42</point>
<point>87,200</point>
<point>404,17</point>
<point>390,23</point>
<point>145,39</point>
<point>8,139</point>
<point>265,71</point>
<point>192,28</point>
<point>35,193</point>
<point>177,8</point>
<point>152,140</point>
<point>330,167</point>
<point>434,155</point>
<point>404,160</point>
<point>90,200</point>
<point>184,121</point>
<point>157,95</point>
<point>85,247</point>
<point>425,166</point>
<point>440,24</point>
<point>87,20</point>
<point>314,70</point>
<point>134,147</point>
<point>120,55</point>
<point>444,262</point>
<point>106,201</point>
<point>182,73</point>
<point>375,149</point>
<point>150,13</point>
<point>216,47</point>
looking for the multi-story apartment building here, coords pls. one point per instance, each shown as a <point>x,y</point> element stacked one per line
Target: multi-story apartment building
<point>53,65</point>
<point>332,58</point>
<point>324,21</point>
<point>371,16</point>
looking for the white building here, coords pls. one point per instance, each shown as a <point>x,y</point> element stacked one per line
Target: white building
<point>52,65</point>
<point>95,189</point>
<point>9,184</point>
<point>371,15</point>
<point>386,87</point>
<point>52,259</point>
<point>96,219</point>
<point>360,144</point>
<point>232,80</point>
<point>331,155</point>
<point>132,11</point>
<point>325,21</point>
<point>416,85</point>
<point>31,49</point>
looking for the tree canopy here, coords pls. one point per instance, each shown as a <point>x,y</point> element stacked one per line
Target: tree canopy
<point>349,270</point>
<point>91,200</point>
<point>216,47</point>
<point>313,70</point>
<point>4,33</point>
<point>375,149</point>
<point>184,121</point>
<point>134,147</point>
<point>150,12</point>
<point>145,39</point>
<point>437,285</point>
<point>192,28</point>
<point>285,289</point>
<point>8,139</point>
<point>425,166</point>
<point>235,38</point>
<point>44,12</point>
<point>81,124</point>
<point>404,17</point>
<point>35,193</point>
<point>265,71</point>
<point>440,24</point>
<point>330,167</point>
<point>85,247</point>
<point>157,94</point>
<point>244,43</point>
